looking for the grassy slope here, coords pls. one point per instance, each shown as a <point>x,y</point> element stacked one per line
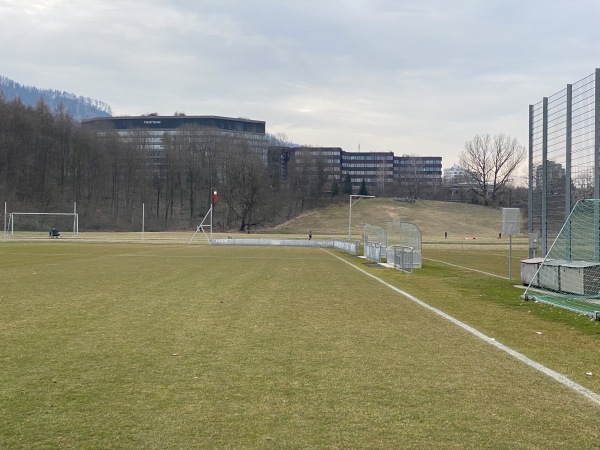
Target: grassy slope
<point>432,217</point>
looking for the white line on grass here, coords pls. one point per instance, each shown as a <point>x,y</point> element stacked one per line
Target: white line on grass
<point>531,363</point>
<point>467,268</point>
<point>162,256</point>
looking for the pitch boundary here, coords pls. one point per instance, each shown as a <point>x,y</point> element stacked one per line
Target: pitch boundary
<point>565,381</point>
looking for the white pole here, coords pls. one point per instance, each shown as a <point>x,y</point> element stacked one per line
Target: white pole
<point>143,219</point>
<point>358,197</point>
<point>510,256</point>
<point>350,220</point>
<point>75,220</point>
<point>5,230</point>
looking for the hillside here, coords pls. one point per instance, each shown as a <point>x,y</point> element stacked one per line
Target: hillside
<point>77,106</point>
<point>432,217</point>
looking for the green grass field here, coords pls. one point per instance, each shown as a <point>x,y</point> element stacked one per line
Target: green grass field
<point>121,345</point>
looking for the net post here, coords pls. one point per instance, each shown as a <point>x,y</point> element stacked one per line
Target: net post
<point>75,220</point>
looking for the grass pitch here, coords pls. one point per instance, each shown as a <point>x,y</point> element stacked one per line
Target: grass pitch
<point>175,346</point>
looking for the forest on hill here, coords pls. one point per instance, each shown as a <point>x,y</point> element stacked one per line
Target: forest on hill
<point>77,106</point>
<point>48,163</point>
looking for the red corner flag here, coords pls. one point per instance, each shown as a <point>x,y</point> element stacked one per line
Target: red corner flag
<point>214,197</point>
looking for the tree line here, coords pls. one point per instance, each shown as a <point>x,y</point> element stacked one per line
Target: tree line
<point>48,162</point>
<point>79,107</point>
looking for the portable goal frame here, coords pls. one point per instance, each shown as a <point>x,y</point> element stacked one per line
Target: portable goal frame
<point>10,229</point>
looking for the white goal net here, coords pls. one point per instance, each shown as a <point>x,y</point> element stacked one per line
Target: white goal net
<point>42,225</point>
<point>569,275</point>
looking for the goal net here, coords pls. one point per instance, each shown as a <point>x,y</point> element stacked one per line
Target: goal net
<point>42,225</point>
<point>569,275</point>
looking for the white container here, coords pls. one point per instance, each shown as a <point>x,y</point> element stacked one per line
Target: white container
<point>528,269</point>
<point>580,277</point>
<point>549,275</point>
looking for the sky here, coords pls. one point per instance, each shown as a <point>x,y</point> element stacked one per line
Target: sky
<point>416,77</point>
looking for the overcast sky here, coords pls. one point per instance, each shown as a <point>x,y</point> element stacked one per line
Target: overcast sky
<point>418,77</point>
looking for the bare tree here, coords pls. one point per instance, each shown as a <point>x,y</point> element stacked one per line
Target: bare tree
<point>410,180</point>
<point>490,164</point>
<point>189,154</point>
<point>307,179</point>
<point>583,183</point>
<point>244,183</point>
<point>211,144</point>
<point>382,187</point>
<point>171,173</point>
<point>132,161</point>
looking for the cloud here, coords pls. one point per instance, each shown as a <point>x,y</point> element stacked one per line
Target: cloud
<point>411,76</point>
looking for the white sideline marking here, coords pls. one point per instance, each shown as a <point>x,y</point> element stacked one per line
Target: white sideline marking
<point>467,268</point>
<point>531,363</point>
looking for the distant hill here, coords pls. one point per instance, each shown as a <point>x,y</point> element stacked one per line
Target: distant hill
<point>77,106</point>
<point>434,218</point>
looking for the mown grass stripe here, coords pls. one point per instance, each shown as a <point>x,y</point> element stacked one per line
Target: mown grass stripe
<point>594,397</point>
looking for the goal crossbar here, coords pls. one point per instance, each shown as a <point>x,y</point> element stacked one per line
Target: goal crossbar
<point>42,214</point>
<point>11,220</point>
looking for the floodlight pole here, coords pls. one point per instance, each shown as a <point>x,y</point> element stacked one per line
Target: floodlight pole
<point>358,197</point>
<point>212,208</point>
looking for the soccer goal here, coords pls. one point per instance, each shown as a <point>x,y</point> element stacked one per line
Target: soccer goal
<point>42,225</point>
<point>569,275</point>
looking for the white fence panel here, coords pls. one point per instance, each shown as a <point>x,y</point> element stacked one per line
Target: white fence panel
<point>373,251</point>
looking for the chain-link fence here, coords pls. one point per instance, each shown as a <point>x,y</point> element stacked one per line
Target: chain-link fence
<point>373,251</point>
<point>402,258</point>
<point>563,157</point>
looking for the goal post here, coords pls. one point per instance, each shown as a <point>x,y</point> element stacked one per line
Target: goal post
<point>569,275</point>
<point>34,224</point>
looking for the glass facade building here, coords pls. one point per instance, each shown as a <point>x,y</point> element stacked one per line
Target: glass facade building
<point>377,169</point>
<point>150,130</point>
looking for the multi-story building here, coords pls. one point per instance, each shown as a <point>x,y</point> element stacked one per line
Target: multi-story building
<point>425,168</point>
<point>418,175</point>
<point>152,129</point>
<point>327,158</point>
<point>454,175</point>
<point>380,170</point>
<point>456,184</point>
<point>374,168</point>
